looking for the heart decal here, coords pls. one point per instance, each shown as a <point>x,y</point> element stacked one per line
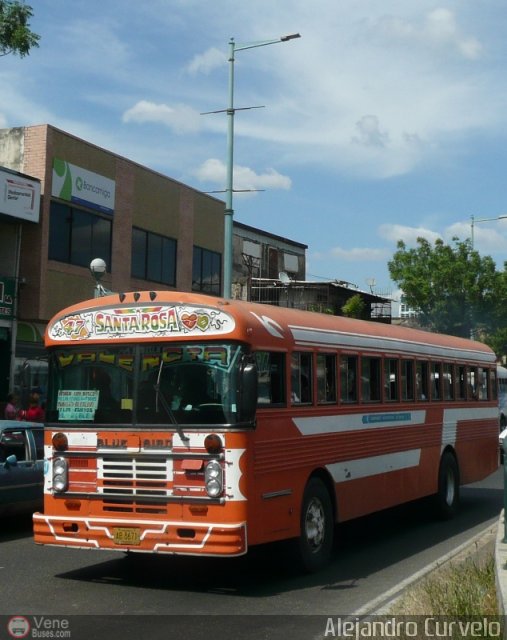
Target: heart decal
<point>189,320</point>
<point>203,322</point>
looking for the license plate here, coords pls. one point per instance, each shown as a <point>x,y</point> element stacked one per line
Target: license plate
<point>127,535</point>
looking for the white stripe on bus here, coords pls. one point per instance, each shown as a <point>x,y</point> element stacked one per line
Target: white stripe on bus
<point>374,465</point>
<point>307,336</point>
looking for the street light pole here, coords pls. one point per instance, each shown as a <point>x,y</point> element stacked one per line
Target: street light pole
<point>474,221</point>
<point>229,189</point>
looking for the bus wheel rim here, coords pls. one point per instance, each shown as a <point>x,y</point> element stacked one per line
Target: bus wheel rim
<point>315,523</point>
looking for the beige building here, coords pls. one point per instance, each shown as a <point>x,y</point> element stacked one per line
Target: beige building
<point>152,232</point>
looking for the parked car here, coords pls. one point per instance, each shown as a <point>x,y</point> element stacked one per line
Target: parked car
<point>21,466</point>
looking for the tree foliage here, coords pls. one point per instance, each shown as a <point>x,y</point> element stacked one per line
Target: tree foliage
<point>15,34</point>
<point>453,288</point>
<point>355,307</point>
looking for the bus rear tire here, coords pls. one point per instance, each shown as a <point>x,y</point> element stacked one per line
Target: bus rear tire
<point>315,542</point>
<point>447,498</point>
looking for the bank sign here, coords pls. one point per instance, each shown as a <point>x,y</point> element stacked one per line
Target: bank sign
<point>19,196</point>
<point>78,185</point>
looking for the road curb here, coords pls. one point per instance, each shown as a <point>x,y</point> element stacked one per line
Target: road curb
<point>384,602</point>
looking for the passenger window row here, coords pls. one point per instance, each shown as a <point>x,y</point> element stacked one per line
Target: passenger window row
<point>328,378</point>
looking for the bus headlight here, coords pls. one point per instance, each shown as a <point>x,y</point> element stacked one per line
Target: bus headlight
<point>60,475</point>
<point>214,479</point>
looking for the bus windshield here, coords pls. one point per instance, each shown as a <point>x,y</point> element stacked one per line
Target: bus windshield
<point>184,383</point>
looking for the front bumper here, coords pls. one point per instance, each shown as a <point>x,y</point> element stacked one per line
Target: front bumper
<point>149,536</point>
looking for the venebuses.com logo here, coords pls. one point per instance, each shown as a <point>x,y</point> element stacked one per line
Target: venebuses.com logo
<point>18,627</point>
<point>38,627</point>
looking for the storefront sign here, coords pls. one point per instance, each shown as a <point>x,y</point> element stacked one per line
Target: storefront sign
<point>78,185</point>
<point>19,196</point>
<point>7,290</point>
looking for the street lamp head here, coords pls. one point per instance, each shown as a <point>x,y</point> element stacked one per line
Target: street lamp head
<point>97,268</point>
<point>293,36</point>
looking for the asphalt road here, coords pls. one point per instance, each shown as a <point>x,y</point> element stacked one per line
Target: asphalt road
<point>257,596</point>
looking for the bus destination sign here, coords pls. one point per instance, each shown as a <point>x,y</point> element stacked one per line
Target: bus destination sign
<point>147,322</point>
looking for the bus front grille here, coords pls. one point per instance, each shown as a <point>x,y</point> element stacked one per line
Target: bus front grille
<point>140,477</point>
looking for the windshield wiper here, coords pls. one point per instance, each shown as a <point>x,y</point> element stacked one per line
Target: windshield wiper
<point>170,413</point>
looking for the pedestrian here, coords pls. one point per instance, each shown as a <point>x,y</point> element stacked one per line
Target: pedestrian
<point>11,408</point>
<point>34,413</point>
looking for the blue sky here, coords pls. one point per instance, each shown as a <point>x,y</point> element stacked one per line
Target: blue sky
<point>384,121</point>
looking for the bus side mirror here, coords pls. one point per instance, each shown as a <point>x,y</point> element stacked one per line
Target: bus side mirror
<point>248,386</point>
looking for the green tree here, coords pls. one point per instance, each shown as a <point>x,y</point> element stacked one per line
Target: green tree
<point>355,307</point>
<point>453,288</point>
<point>15,34</point>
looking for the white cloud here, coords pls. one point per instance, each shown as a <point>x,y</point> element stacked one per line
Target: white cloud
<point>214,170</point>
<point>409,235</point>
<point>436,29</point>
<point>181,118</point>
<point>97,48</point>
<point>358,254</point>
<point>441,27</point>
<point>370,134</point>
<point>207,61</point>
<point>489,236</point>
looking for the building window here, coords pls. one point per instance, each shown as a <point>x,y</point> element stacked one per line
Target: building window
<point>77,236</point>
<point>153,257</point>
<point>207,271</point>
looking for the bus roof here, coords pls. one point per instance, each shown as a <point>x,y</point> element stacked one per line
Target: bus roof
<point>152,316</point>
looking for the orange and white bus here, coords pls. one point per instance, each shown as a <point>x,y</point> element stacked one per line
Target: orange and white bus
<point>180,423</point>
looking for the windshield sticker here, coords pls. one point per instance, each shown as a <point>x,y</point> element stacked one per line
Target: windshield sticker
<point>77,404</point>
<point>141,323</point>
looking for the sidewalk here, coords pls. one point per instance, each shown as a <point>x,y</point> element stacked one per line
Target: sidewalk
<point>501,565</point>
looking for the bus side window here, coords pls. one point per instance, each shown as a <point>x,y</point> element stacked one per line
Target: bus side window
<point>472,383</point>
<point>301,378</point>
<point>348,378</point>
<point>482,384</point>
<point>462,392</point>
<point>391,379</point>
<point>448,381</point>
<point>370,379</point>
<point>407,380</point>
<point>436,381</point>
<point>421,380</point>
<point>271,377</point>
<point>326,378</point>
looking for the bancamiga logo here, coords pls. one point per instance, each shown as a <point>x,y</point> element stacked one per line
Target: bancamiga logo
<point>82,185</point>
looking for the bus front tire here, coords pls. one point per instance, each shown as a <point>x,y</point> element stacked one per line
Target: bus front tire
<point>315,542</point>
<point>447,498</point>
